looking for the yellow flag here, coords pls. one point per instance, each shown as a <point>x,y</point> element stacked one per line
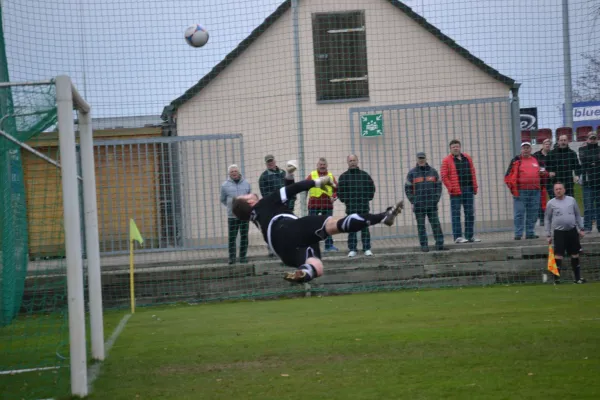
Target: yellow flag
<point>552,262</point>
<point>134,233</point>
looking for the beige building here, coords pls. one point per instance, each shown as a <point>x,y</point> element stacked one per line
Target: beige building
<point>354,56</point>
<point>115,187</point>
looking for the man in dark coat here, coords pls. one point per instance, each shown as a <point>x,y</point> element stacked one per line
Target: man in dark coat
<point>590,166</point>
<point>562,164</point>
<point>271,180</point>
<point>423,189</point>
<point>356,189</point>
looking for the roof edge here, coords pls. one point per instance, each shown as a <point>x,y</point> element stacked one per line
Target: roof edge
<point>286,5</point>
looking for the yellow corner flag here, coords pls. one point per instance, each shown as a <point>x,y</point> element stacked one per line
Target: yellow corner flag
<point>552,262</point>
<point>134,233</point>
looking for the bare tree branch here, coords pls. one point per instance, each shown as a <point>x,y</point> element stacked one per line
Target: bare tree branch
<point>587,85</point>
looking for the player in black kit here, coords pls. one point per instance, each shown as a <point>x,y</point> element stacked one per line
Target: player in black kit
<point>296,240</point>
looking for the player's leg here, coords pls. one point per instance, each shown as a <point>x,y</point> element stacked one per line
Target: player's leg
<point>357,222</point>
<point>572,246</point>
<point>311,269</point>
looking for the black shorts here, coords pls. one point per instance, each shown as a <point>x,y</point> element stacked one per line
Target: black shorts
<point>295,240</point>
<point>566,241</point>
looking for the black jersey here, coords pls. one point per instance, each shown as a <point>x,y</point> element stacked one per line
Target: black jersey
<point>276,204</point>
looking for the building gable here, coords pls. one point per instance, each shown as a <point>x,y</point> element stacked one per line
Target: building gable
<point>271,19</point>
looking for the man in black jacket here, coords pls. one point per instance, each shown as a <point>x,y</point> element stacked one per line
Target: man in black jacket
<point>562,163</point>
<point>356,189</point>
<point>590,166</point>
<point>271,180</point>
<point>423,189</point>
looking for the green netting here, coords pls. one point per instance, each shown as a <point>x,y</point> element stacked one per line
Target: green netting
<point>27,111</point>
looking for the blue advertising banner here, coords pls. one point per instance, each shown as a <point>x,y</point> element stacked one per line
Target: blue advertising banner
<point>586,113</point>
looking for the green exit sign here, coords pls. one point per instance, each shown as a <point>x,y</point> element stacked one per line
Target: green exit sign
<point>371,125</point>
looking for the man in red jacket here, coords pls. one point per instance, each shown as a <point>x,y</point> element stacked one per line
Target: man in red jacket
<point>459,177</point>
<point>524,180</point>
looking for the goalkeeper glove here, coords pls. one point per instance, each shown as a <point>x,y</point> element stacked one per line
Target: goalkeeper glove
<point>323,181</point>
<point>290,167</point>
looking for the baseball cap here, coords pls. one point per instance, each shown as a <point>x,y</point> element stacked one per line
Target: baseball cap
<point>421,155</point>
<point>269,157</point>
<point>525,144</point>
<point>592,134</point>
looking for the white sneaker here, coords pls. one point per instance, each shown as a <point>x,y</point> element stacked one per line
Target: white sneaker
<point>368,253</point>
<point>461,240</point>
<point>475,240</point>
<point>352,254</point>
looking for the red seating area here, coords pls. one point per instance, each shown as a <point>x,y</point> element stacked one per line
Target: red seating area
<point>543,134</point>
<point>565,130</point>
<point>540,135</point>
<point>582,132</point>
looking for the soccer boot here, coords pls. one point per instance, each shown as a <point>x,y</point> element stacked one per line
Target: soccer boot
<point>392,213</point>
<point>298,276</point>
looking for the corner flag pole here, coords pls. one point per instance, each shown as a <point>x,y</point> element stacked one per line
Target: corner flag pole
<point>134,234</point>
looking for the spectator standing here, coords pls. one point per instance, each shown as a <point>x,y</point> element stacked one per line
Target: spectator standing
<point>356,189</point>
<point>235,186</point>
<point>272,179</point>
<point>563,229</point>
<point>546,190</point>
<point>524,180</point>
<point>562,163</point>
<point>589,155</point>
<point>460,178</point>
<point>424,189</point>
<point>320,200</point>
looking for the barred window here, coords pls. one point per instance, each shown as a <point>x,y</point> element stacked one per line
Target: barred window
<point>340,47</point>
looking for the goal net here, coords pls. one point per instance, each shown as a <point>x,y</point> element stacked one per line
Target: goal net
<point>47,223</point>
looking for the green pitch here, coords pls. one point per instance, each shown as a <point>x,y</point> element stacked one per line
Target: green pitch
<point>502,342</point>
<point>493,343</point>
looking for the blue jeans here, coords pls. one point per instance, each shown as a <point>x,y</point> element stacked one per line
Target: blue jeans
<point>329,239</point>
<point>467,200</point>
<point>526,208</point>
<point>591,206</point>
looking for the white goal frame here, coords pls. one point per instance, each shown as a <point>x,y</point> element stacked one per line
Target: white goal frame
<point>67,100</point>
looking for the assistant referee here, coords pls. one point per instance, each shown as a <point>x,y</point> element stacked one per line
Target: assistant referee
<point>563,221</point>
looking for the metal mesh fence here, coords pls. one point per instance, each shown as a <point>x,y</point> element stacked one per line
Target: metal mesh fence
<point>180,131</point>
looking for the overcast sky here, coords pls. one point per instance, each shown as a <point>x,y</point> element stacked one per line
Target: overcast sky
<point>129,58</point>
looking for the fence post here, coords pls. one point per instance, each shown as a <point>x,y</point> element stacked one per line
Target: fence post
<point>515,114</point>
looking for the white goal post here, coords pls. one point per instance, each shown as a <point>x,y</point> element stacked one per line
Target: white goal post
<point>67,100</point>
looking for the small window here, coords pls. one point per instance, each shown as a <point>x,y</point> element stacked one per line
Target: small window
<point>340,46</point>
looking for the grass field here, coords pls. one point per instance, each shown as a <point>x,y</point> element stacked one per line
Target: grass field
<point>494,343</point>
<point>503,342</point>
<point>39,341</point>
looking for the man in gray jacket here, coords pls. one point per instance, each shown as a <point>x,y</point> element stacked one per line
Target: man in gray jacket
<point>235,186</point>
<point>563,221</point>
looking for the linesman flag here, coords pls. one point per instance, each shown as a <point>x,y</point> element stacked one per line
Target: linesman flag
<point>552,262</point>
<point>134,232</point>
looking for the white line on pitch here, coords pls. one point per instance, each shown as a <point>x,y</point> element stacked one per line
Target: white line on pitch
<point>94,370</point>
<point>20,371</point>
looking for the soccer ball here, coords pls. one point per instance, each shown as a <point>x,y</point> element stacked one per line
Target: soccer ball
<point>196,36</point>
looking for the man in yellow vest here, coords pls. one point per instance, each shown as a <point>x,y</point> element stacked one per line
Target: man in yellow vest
<point>320,200</point>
